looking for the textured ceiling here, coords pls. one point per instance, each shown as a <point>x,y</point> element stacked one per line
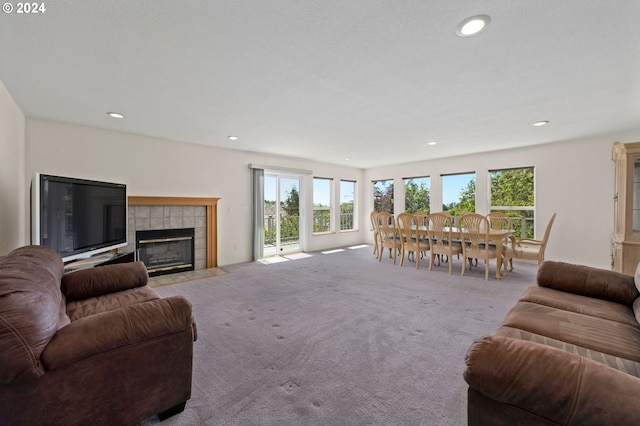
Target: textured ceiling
<point>371,80</point>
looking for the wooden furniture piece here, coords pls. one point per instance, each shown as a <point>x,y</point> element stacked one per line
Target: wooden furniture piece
<point>625,241</point>
<point>376,236</point>
<point>474,232</point>
<point>441,238</point>
<point>212,217</point>
<point>528,248</point>
<point>499,220</point>
<point>421,220</point>
<point>408,230</point>
<point>387,233</point>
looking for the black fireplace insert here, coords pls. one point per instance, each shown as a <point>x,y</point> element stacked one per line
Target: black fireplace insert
<point>166,251</point>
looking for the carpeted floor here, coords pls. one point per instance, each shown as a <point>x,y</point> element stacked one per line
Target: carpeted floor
<point>338,339</point>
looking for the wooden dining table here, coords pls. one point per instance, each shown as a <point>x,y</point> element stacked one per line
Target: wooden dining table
<point>496,236</point>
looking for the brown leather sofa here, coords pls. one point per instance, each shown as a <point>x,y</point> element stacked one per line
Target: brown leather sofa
<point>93,347</point>
<point>568,353</point>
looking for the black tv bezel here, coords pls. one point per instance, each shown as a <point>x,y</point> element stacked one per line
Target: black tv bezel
<point>36,215</point>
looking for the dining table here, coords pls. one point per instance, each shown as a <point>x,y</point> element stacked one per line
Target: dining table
<point>496,236</point>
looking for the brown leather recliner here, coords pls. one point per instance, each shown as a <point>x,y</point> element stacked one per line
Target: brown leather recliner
<point>96,346</point>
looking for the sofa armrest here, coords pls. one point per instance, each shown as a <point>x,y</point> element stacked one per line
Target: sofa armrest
<point>562,387</point>
<point>588,281</point>
<point>111,330</point>
<point>103,280</point>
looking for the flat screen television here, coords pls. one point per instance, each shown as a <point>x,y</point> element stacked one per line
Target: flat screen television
<point>78,218</point>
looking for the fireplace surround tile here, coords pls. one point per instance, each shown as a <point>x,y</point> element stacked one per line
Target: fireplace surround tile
<point>145,218</point>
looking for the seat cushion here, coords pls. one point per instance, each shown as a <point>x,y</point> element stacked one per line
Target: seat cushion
<point>94,305</point>
<point>590,332</point>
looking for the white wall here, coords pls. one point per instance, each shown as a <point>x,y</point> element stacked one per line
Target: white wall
<point>159,167</point>
<point>13,201</point>
<point>573,179</point>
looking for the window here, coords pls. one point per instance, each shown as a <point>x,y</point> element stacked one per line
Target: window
<point>512,192</point>
<point>459,193</point>
<point>347,205</point>
<point>383,195</point>
<point>417,196</point>
<point>322,211</point>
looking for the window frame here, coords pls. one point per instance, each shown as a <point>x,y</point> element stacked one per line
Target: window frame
<point>330,207</point>
<point>354,211</point>
<point>404,183</point>
<point>392,201</point>
<point>521,232</point>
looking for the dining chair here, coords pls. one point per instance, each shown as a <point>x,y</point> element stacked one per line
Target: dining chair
<point>387,232</point>
<point>529,248</point>
<point>410,242</point>
<point>499,220</point>
<point>474,232</point>
<point>441,242</point>
<point>421,220</point>
<point>376,236</point>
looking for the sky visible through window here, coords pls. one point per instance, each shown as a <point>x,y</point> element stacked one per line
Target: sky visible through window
<point>452,185</point>
<point>270,187</point>
<point>321,192</point>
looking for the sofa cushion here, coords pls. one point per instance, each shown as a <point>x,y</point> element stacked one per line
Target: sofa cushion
<point>32,310</point>
<point>588,281</point>
<point>621,364</point>
<point>604,335</point>
<point>109,302</point>
<point>580,304</point>
<point>102,280</point>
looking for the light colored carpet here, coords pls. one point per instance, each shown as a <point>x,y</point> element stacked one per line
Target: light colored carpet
<point>339,339</point>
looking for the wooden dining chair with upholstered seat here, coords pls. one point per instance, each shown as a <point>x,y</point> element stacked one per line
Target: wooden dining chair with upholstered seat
<point>441,241</point>
<point>387,232</point>
<point>376,236</point>
<point>499,220</point>
<point>410,240</point>
<point>529,248</point>
<point>474,232</point>
<point>421,220</point>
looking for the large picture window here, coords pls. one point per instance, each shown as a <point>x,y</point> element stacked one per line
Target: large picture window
<point>417,194</point>
<point>383,195</point>
<point>512,192</point>
<point>459,193</point>
<point>347,205</point>
<point>322,210</point>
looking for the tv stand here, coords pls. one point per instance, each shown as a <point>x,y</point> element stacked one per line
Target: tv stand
<point>99,260</point>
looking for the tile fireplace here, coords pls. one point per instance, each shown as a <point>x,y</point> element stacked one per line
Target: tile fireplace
<point>149,213</point>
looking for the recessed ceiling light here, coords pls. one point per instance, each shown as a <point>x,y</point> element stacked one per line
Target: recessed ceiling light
<point>232,138</point>
<point>540,123</point>
<point>347,158</point>
<point>115,115</point>
<point>473,25</point>
<point>432,143</point>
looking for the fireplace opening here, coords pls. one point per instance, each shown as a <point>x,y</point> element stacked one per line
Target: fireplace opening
<point>166,251</point>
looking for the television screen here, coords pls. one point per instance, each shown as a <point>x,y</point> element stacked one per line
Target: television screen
<point>76,217</point>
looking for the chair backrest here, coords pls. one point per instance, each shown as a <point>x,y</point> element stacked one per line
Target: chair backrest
<point>439,230</point>
<point>374,223</point>
<point>499,220</point>
<point>547,231</point>
<point>405,222</point>
<point>474,229</point>
<point>386,226</point>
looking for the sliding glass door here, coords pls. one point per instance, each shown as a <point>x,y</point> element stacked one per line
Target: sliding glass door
<point>281,214</point>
